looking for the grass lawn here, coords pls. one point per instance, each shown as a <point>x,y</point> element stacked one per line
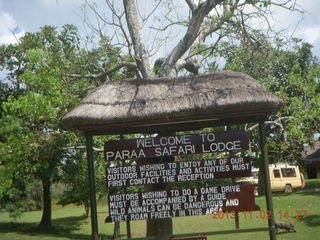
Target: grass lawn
<point>69,222</point>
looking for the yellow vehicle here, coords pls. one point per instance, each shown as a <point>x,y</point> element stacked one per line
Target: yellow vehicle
<point>283,177</point>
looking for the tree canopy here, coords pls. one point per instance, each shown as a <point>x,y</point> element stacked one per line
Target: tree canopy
<point>204,24</point>
<point>292,74</point>
<point>38,93</point>
<point>50,71</point>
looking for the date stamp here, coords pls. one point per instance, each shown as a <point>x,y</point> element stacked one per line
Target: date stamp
<point>295,214</point>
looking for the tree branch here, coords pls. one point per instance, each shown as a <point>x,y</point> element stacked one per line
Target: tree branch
<point>105,73</point>
<point>192,65</point>
<point>141,54</point>
<point>191,34</point>
<point>167,26</point>
<point>82,147</point>
<point>144,19</point>
<point>191,5</point>
<point>275,122</point>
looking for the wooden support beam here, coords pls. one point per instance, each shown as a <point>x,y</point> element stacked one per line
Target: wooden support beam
<point>92,188</point>
<point>263,145</point>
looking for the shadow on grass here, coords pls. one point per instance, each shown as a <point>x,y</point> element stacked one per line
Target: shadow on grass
<point>61,227</point>
<point>309,192</point>
<point>312,192</point>
<point>284,232</point>
<point>311,220</point>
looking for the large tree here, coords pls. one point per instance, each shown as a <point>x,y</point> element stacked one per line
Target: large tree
<point>33,142</point>
<point>34,146</point>
<point>40,65</point>
<point>291,71</point>
<point>142,28</point>
<point>202,25</point>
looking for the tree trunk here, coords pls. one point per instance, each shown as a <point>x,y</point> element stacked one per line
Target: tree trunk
<point>135,30</point>
<point>261,183</point>
<point>159,229</point>
<point>87,209</point>
<point>46,213</point>
<point>116,231</point>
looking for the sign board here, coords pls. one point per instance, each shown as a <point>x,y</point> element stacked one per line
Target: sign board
<point>178,171</point>
<point>180,202</point>
<point>163,146</point>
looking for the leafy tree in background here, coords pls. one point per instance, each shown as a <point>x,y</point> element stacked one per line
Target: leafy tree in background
<point>77,189</point>
<point>33,143</point>
<point>299,87</point>
<point>292,72</point>
<point>202,24</point>
<point>76,181</point>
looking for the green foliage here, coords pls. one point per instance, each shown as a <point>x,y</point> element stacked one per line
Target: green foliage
<point>70,223</point>
<point>77,189</point>
<point>38,92</point>
<point>312,183</point>
<point>293,75</point>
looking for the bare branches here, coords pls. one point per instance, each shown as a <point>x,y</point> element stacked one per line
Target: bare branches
<point>110,23</point>
<point>105,73</point>
<point>192,65</point>
<point>190,36</point>
<point>144,19</point>
<point>292,7</point>
<point>167,26</point>
<point>233,19</point>
<point>82,147</point>
<point>118,23</point>
<point>194,55</point>
<point>141,54</point>
<point>191,5</point>
<point>202,21</point>
<point>277,123</point>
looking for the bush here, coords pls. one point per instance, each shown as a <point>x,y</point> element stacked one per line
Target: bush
<point>312,183</point>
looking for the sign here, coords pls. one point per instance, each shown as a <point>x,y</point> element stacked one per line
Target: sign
<point>163,146</point>
<point>180,202</point>
<point>178,171</point>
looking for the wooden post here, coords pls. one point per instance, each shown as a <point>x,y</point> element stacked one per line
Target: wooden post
<point>116,232</point>
<point>266,176</point>
<point>92,188</point>
<point>128,225</point>
<point>236,220</point>
<point>128,230</point>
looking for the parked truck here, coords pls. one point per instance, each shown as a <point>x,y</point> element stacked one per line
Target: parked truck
<point>284,177</point>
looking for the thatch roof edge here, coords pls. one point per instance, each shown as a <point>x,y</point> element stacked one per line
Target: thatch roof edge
<point>163,99</point>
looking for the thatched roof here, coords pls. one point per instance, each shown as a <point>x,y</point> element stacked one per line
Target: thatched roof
<point>311,155</point>
<point>130,104</point>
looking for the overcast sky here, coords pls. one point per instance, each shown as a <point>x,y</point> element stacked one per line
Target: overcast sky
<point>19,16</point>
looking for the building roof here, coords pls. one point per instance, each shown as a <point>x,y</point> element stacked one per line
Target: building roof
<point>311,155</point>
<point>181,103</point>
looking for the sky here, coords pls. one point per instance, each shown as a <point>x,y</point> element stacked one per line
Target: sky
<point>20,16</point>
